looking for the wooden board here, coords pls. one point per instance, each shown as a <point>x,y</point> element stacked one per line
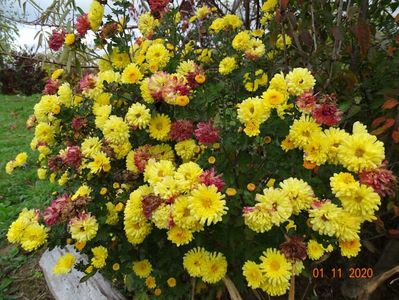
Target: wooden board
<point>67,287</point>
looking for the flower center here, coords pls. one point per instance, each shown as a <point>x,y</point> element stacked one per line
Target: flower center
<point>275,265</point>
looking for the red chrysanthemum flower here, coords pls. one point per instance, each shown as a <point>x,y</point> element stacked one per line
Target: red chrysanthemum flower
<point>158,6</point>
<point>51,86</point>
<point>57,208</point>
<point>327,114</point>
<point>209,177</point>
<point>82,24</point>
<point>382,180</point>
<point>206,133</point>
<point>56,40</point>
<point>149,204</point>
<point>73,157</point>
<point>87,82</point>
<point>181,130</point>
<point>306,102</point>
<point>55,163</point>
<point>78,123</point>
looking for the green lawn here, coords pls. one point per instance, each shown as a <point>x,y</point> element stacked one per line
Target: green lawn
<point>21,189</point>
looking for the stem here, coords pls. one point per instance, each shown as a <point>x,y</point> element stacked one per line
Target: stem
<point>291,295</point>
<point>193,280</point>
<point>231,288</point>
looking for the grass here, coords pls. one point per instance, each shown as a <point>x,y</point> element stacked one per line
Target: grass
<point>22,189</point>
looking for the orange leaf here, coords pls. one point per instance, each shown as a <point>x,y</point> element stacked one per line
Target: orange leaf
<point>390,103</point>
<point>389,123</point>
<point>377,122</point>
<point>391,51</point>
<point>393,232</point>
<point>395,136</point>
<point>284,4</point>
<point>379,130</point>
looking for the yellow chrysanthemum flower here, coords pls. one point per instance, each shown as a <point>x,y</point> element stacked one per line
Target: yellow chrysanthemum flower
<point>159,127</point>
<point>215,267</point>
<point>116,131</point>
<point>302,130</point>
<point>316,149</point>
<point>275,289</point>
<point>350,248</point>
<point>227,65</point>
<point>45,133</point>
<point>100,163</point>
<point>138,116</point>
<point>194,261</point>
<point>142,268</point>
<point>253,274</point>
<point>298,192</point>
<point>180,236</point>
<point>335,137</point>
<point>361,151</point>
<point>188,175</point>
<point>83,229</point>
<point>147,24</point>
<point>131,74</point>
<point>276,267</point>
<point>252,110</point>
<point>324,218</point>
<point>69,39</point>
<point>33,236</point>
<point>207,204</point>
<point>91,146</point>
<point>186,149</point>
<point>343,184</point>
<point>157,56</point>
<point>278,205</point>
<point>299,80</point>
<point>64,264</point>
<point>273,98</point>
<point>95,15</point>
<point>167,187</point>
<point>171,282</point>
<point>314,250</point>
<point>161,216</point>
<point>57,74</point>
<point>150,282</point>
<point>100,255</point>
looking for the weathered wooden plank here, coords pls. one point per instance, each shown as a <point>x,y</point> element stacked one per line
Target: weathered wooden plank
<point>67,287</point>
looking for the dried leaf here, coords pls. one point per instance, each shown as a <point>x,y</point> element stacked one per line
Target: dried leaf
<point>389,123</point>
<point>390,103</point>
<point>377,122</point>
<point>395,136</point>
<point>379,130</point>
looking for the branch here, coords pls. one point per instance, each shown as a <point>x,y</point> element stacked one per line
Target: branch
<point>45,61</point>
<point>231,288</point>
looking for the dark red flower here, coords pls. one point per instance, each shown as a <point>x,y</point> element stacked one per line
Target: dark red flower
<point>294,248</point>
<point>149,204</point>
<point>141,157</point>
<point>158,6</point>
<point>209,177</point>
<point>87,82</point>
<point>55,163</point>
<point>78,123</point>
<point>327,114</point>
<point>382,180</point>
<point>82,24</point>
<point>51,86</point>
<point>181,130</point>
<point>73,157</point>
<point>56,40</point>
<point>56,210</point>
<point>206,133</point>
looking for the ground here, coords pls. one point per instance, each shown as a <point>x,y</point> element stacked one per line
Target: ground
<point>20,276</point>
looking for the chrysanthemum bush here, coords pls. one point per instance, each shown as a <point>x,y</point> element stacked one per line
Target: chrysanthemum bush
<point>189,159</point>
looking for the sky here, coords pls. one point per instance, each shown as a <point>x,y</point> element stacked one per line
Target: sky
<point>28,32</point>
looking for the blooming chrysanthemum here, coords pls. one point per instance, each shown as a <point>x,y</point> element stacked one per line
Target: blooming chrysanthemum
<point>116,131</point>
<point>252,110</point>
<point>258,218</point>
<point>298,192</point>
<point>33,236</point>
<point>275,289</point>
<point>179,236</point>
<point>131,74</point>
<point>335,137</point>
<point>100,255</point>
<point>278,205</point>
<point>315,250</point>
<point>361,151</point>
<point>227,65</point>
<point>156,170</point>
<point>215,267</point>
<point>95,15</point>
<point>45,133</point>
<point>273,98</point>
<point>207,204</point>
<point>316,150</point>
<point>302,130</point>
<point>324,216</point>
<point>64,264</point>
<point>159,127</point>
<point>206,133</point>
<point>167,187</point>
<point>186,149</point>
<point>350,248</point>
<point>253,274</point>
<point>142,268</point>
<point>182,215</point>
<point>275,266</point>
<point>161,216</point>
<point>100,163</point>
<point>181,130</point>
<point>158,56</point>
<point>194,261</point>
<point>363,202</point>
<point>138,116</point>
<point>299,80</point>
<point>83,228</point>
<point>343,184</point>
<point>188,175</point>
<point>147,24</point>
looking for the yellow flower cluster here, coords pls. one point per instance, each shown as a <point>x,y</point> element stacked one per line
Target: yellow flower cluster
<point>27,231</point>
<point>95,15</point>
<point>194,204</point>
<point>272,274</point>
<point>210,266</point>
<point>19,161</point>
<point>227,22</point>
